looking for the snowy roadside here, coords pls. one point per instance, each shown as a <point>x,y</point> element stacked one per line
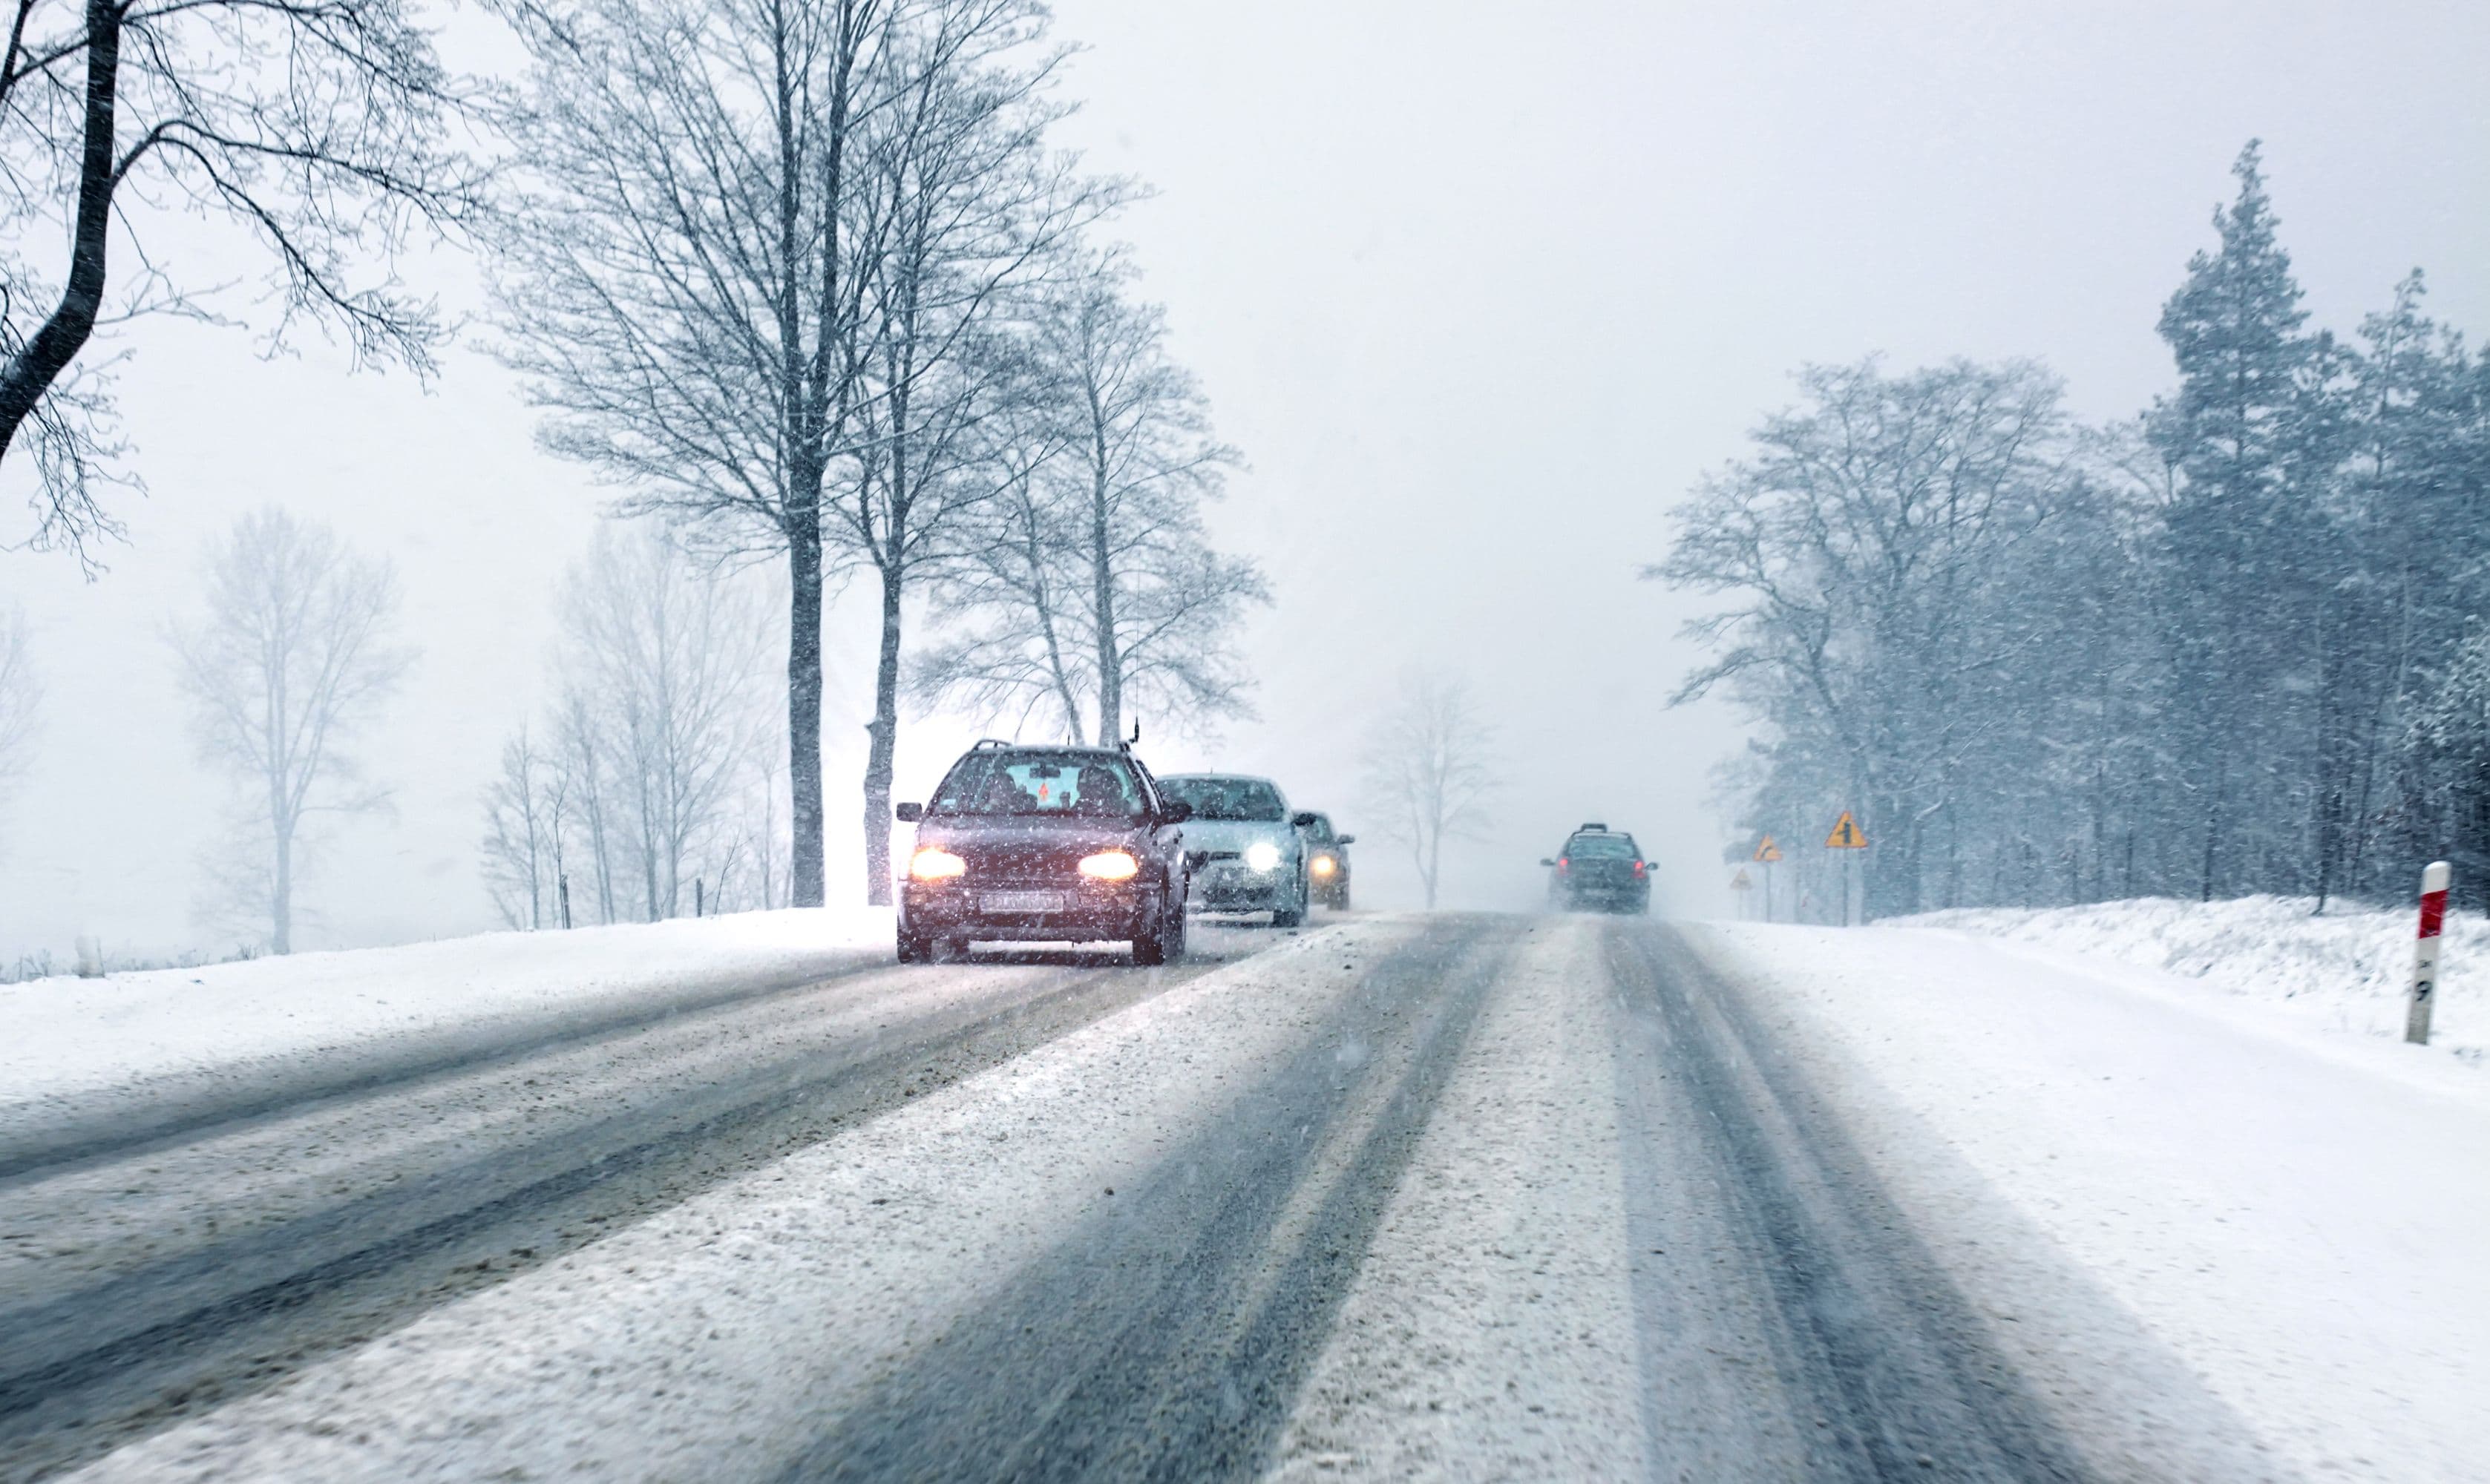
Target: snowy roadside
<point>68,1045</point>
<point>2294,1212</point>
<point>2345,971</point>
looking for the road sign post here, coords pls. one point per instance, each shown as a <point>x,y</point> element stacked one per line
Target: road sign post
<point>2434,879</point>
<point>1767,852</point>
<point>1741,885</point>
<point>1847,836</point>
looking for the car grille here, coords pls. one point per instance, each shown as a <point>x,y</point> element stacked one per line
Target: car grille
<point>1053,866</point>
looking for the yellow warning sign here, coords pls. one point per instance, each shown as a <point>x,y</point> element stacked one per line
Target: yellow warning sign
<point>1846,835</point>
<point>1768,851</point>
<point>1740,884</point>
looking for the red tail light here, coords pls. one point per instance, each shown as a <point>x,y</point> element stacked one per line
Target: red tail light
<point>1637,870</point>
<point>1562,865</point>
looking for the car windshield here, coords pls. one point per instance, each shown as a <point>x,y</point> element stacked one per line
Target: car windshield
<point>1225,798</point>
<point>1599,847</point>
<point>1009,783</point>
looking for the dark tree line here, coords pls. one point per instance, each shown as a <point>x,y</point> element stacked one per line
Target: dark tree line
<point>2236,646</point>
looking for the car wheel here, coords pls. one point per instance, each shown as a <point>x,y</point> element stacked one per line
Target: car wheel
<point>915,947</point>
<point>1162,940</point>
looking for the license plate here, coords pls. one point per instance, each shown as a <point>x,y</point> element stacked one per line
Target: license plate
<point>1024,901</point>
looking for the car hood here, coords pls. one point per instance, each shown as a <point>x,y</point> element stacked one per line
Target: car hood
<point>1236,834</point>
<point>1027,832</point>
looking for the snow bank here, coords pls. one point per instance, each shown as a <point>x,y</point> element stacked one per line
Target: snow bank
<point>230,1027</point>
<point>2345,971</point>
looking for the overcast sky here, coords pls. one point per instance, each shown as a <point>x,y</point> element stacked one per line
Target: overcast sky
<point>1478,290</point>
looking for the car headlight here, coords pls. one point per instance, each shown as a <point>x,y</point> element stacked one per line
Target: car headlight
<point>1263,855</point>
<point>933,862</point>
<point>1324,865</point>
<point>1110,865</point>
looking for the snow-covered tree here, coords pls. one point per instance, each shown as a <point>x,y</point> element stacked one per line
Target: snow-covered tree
<point>1092,588</point>
<point>1430,769</point>
<point>290,662</point>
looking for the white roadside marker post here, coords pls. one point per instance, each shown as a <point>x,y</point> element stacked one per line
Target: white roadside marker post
<point>2424,981</point>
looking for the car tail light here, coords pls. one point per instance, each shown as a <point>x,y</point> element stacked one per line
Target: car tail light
<point>1110,865</point>
<point>1563,865</point>
<point>1637,870</point>
<point>933,862</point>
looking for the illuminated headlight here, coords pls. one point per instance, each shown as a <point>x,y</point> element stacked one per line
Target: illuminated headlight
<point>1263,855</point>
<point>936,864</point>
<point>1110,865</point>
<point>1324,865</point>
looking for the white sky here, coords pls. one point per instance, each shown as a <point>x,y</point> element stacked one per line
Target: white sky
<point>1478,289</point>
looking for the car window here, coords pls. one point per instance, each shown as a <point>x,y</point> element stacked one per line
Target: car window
<point>1002,782</point>
<point>1601,848</point>
<point>1320,832</point>
<point>1225,798</point>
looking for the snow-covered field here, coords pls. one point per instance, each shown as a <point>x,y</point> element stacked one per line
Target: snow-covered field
<point>63,1038</point>
<point>2345,971</point>
<point>2296,1213</point>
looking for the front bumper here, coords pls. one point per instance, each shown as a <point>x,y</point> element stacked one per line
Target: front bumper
<point>1050,912</point>
<point>1232,886</point>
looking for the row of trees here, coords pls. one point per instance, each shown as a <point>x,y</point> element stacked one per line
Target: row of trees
<point>807,281</point>
<point>2235,646</point>
<point>648,789</point>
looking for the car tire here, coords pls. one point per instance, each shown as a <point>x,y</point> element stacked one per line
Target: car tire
<point>915,947</point>
<point>1162,941</point>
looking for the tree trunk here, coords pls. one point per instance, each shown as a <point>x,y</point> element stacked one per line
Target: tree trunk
<point>805,864</point>
<point>31,372</point>
<point>1102,576</point>
<point>280,935</point>
<point>884,749</point>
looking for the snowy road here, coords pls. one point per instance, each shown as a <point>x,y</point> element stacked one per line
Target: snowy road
<point>1443,1197</point>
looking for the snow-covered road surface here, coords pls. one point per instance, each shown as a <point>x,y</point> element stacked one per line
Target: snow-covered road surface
<point>1395,1197</point>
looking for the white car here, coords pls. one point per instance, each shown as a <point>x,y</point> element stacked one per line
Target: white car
<point>1246,850</point>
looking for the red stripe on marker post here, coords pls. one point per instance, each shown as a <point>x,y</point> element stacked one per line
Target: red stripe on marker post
<point>2434,881</point>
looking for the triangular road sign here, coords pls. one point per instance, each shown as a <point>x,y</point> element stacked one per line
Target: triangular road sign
<point>1768,851</point>
<point>1740,884</point>
<point>1846,835</point>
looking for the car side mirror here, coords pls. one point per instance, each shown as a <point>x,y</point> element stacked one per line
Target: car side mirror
<point>1345,840</point>
<point>1174,812</point>
<point>910,814</point>
<point>1544,860</point>
<point>1304,821</point>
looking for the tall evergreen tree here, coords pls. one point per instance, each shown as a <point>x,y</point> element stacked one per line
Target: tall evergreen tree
<point>2248,434</point>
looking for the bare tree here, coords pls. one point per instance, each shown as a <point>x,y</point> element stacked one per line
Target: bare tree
<point>664,657</point>
<point>525,820</point>
<point>20,696</point>
<point>680,279</point>
<point>976,212</point>
<point>1091,574</point>
<point>291,659</point>
<point>318,127</point>
<point>1429,767</point>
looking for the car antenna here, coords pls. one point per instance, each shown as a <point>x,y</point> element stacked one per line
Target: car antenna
<point>1137,732</point>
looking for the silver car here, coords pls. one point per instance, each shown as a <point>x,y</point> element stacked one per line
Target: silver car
<point>1246,850</point>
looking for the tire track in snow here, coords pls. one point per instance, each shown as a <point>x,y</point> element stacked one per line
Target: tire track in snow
<point>86,1371</point>
<point>1168,1338</point>
<point>1793,1325</point>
